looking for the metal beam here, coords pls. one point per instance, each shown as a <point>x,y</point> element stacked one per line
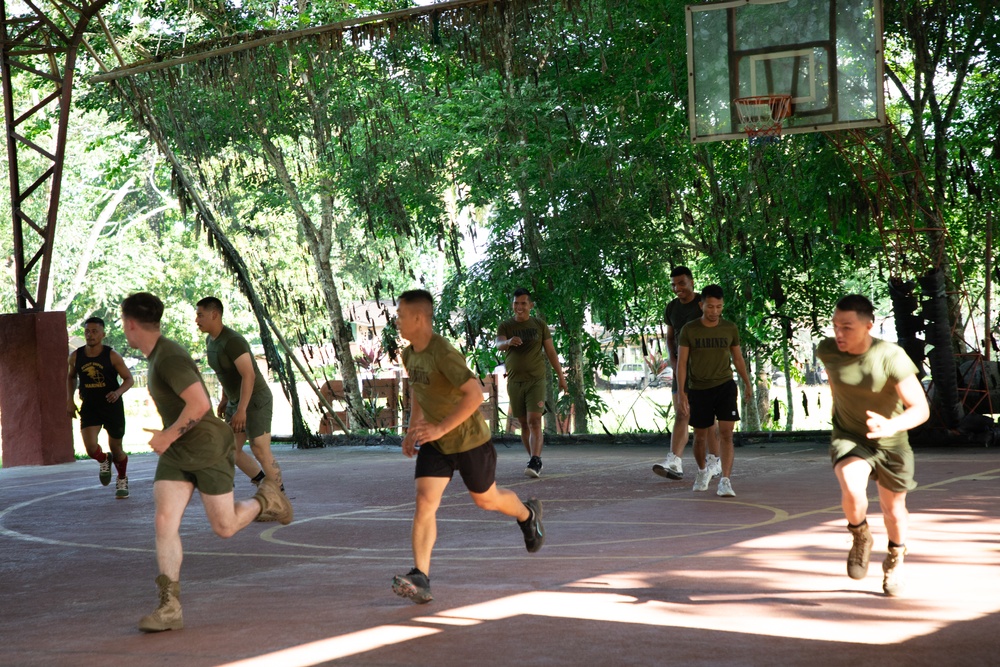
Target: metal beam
<point>40,43</point>
<point>218,47</point>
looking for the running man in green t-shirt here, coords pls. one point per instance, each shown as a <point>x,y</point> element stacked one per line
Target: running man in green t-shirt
<point>877,398</point>
<point>526,342</point>
<point>705,348</point>
<point>447,433</point>
<point>246,403</point>
<point>196,452</point>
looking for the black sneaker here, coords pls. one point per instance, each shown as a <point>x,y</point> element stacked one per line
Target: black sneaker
<point>414,585</point>
<point>534,534</point>
<point>534,467</point>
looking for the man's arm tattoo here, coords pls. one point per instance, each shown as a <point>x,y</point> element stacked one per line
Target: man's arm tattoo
<point>187,427</point>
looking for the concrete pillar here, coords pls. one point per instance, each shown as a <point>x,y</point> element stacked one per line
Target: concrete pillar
<point>34,426</point>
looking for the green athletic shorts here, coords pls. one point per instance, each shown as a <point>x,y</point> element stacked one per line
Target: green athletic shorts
<point>526,396</point>
<point>892,467</point>
<point>215,480</point>
<point>259,411</point>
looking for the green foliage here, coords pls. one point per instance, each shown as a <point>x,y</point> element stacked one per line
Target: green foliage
<point>596,405</point>
<point>554,133</point>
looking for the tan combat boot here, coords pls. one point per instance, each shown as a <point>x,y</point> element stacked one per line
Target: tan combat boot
<point>274,504</point>
<point>861,551</point>
<point>892,567</point>
<point>168,615</point>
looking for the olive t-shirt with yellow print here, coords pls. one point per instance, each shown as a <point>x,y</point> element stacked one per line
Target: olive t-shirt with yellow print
<point>527,360</point>
<point>709,352</point>
<point>436,375</point>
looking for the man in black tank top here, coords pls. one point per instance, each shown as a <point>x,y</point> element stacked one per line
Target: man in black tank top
<point>95,367</point>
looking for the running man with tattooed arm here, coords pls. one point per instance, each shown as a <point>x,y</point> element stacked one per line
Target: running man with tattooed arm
<point>196,451</point>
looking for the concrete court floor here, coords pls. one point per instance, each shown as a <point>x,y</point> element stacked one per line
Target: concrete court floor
<point>636,570</point>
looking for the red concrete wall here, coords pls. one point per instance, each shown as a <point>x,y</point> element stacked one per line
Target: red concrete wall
<point>34,426</point>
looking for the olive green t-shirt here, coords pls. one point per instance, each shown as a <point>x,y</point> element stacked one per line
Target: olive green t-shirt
<point>709,353</point>
<point>436,374</point>
<point>222,355</point>
<point>866,381</point>
<point>677,314</point>
<point>527,360</point>
<point>171,371</point>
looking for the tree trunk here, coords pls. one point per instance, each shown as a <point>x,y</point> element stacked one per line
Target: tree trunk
<point>763,393</point>
<point>786,368</point>
<point>550,402</point>
<point>577,383</point>
<point>341,339</point>
<point>320,242</point>
<point>749,417</point>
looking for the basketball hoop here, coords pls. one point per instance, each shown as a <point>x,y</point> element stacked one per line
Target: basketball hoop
<point>761,116</point>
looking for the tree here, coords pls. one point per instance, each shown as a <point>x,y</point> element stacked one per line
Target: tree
<point>561,129</point>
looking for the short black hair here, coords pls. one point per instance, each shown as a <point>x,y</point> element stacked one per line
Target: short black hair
<point>143,307</point>
<point>858,304</point>
<point>713,291</point>
<point>523,291</point>
<point>211,303</point>
<point>94,320</point>
<point>415,296</point>
<point>681,271</point>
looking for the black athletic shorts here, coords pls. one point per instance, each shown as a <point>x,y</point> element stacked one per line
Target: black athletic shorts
<point>110,416</point>
<point>477,466</point>
<point>707,405</point>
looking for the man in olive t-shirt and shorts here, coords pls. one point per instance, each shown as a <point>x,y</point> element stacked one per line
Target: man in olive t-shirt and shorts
<point>196,452</point>
<point>705,348</point>
<point>683,308</point>
<point>246,403</point>
<point>447,433</point>
<point>877,398</point>
<point>526,342</point>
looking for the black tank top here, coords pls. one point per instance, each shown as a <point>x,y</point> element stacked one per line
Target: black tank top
<point>96,377</point>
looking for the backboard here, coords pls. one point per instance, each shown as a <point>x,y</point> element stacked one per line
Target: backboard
<point>826,54</point>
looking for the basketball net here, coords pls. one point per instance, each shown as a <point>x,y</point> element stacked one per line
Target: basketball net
<point>761,116</point>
